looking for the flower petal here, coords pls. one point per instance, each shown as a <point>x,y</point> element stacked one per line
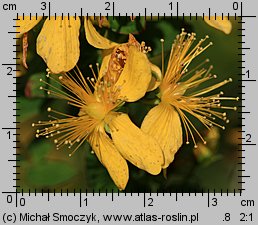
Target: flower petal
<point>222,25</point>
<point>135,146</point>
<point>58,43</point>
<point>106,55</point>
<point>163,123</point>
<point>27,23</point>
<point>135,77</point>
<point>109,156</point>
<point>156,77</point>
<point>94,38</point>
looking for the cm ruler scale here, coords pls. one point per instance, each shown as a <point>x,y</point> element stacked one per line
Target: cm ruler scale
<point>234,205</point>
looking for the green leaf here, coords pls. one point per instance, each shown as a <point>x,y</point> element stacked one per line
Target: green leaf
<point>29,107</point>
<point>215,175</point>
<point>38,81</point>
<point>39,150</point>
<point>125,26</point>
<point>33,85</point>
<point>169,33</point>
<point>50,173</point>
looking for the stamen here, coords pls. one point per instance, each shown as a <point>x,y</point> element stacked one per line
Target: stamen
<point>95,77</point>
<point>97,65</point>
<point>177,87</point>
<point>162,56</point>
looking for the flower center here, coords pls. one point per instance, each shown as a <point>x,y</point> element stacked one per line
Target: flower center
<point>172,92</point>
<point>96,110</point>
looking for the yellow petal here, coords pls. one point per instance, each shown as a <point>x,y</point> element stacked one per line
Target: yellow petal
<point>156,77</point>
<point>135,146</point>
<point>136,75</point>
<point>58,43</point>
<point>222,25</point>
<point>163,123</point>
<point>26,24</point>
<point>100,21</point>
<point>108,155</point>
<point>106,55</point>
<point>94,38</point>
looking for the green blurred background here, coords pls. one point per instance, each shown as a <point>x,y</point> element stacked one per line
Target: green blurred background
<point>213,166</point>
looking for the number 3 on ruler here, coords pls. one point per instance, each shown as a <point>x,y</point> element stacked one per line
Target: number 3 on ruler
<point>43,5</point>
<point>214,201</point>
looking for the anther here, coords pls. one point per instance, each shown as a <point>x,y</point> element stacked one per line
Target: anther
<point>33,124</point>
<point>49,109</point>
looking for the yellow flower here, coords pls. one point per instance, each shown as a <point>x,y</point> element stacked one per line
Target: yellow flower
<point>58,41</point>
<point>223,25</point>
<point>112,135</point>
<point>180,98</point>
<point>98,41</point>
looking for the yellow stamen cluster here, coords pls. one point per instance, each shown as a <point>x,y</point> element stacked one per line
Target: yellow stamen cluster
<point>145,49</point>
<point>95,98</point>
<point>179,87</point>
